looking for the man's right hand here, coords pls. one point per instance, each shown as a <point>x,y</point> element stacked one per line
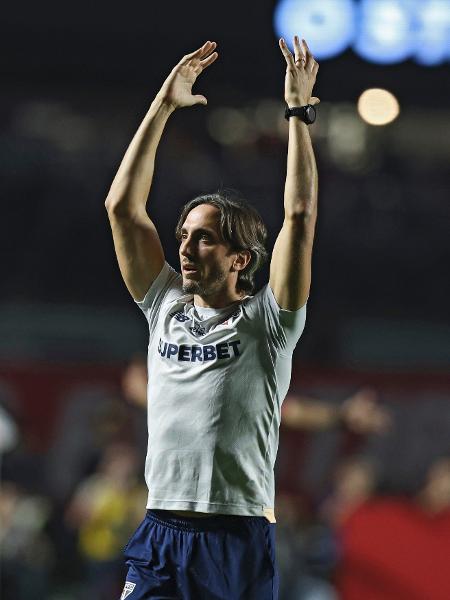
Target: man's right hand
<point>138,248</point>
<point>177,89</point>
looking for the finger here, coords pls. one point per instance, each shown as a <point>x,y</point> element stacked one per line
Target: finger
<point>307,51</point>
<point>209,60</point>
<point>199,99</point>
<point>207,49</point>
<point>314,100</point>
<point>196,52</point>
<point>200,52</point>
<point>314,67</point>
<point>286,53</point>
<point>299,56</point>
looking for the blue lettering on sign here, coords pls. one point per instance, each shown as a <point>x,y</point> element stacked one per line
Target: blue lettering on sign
<point>197,353</point>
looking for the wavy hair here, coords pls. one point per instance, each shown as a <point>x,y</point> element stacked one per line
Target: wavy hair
<point>241,226</point>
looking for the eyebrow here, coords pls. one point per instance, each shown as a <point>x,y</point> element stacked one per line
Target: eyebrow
<point>201,230</point>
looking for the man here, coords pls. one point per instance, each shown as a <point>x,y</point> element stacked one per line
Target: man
<point>219,359</point>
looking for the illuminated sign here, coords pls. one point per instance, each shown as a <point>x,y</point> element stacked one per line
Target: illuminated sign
<point>380,31</point>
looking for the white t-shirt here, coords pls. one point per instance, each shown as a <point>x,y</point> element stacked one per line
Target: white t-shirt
<point>216,381</point>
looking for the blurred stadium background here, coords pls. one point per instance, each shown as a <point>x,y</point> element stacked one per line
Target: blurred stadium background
<point>359,517</point>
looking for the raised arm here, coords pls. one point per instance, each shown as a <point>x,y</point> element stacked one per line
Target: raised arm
<point>290,268</point>
<point>136,241</point>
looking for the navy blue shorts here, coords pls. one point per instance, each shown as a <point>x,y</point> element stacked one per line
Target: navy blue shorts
<point>223,557</point>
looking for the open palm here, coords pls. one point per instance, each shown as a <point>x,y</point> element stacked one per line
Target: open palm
<point>177,89</point>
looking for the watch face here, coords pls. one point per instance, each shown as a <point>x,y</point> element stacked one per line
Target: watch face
<point>310,114</point>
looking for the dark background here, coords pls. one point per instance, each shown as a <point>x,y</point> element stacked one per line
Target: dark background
<point>76,80</point>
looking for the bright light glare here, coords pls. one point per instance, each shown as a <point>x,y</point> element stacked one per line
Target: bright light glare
<point>378,107</point>
<point>384,33</point>
<point>380,31</point>
<point>433,45</point>
<point>328,26</point>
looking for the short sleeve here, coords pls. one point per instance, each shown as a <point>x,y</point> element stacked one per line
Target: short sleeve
<point>284,327</point>
<point>164,289</point>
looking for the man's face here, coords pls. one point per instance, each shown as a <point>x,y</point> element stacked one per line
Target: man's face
<point>204,256</point>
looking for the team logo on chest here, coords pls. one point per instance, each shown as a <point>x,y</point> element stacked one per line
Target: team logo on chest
<point>180,316</point>
<point>197,330</point>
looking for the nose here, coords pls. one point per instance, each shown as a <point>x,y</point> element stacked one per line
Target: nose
<point>187,247</point>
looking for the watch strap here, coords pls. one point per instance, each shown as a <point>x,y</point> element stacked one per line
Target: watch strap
<point>299,111</point>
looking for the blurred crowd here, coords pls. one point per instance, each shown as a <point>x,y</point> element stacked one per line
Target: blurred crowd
<point>66,515</point>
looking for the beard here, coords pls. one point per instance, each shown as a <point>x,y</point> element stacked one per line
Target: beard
<point>204,288</point>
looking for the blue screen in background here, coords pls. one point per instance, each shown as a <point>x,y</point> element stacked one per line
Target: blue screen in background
<point>379,31</point>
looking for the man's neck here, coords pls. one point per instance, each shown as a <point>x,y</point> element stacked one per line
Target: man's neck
<point>217,301</point>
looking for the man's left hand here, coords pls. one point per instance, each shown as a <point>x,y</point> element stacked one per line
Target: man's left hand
<point>301,72</point>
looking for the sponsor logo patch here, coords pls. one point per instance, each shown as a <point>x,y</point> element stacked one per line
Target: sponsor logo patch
<point>127,590</point>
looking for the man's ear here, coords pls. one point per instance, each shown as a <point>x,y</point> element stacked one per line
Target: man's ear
<point>242,259</point>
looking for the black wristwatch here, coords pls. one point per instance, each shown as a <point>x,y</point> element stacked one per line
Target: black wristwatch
<point>306,113</point>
